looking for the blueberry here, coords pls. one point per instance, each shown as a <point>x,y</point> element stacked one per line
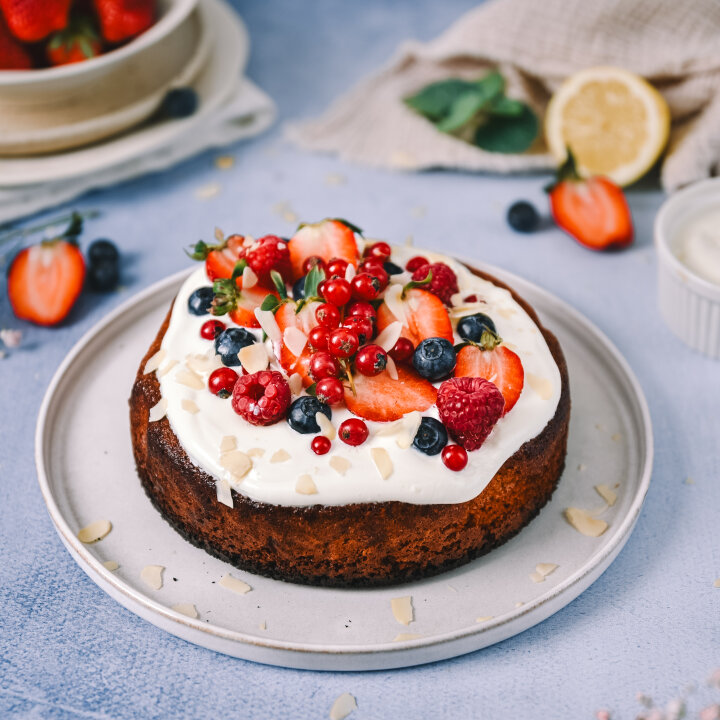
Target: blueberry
<point>103,275</point>
<point>201,299</point>
<point>230,342</point>
<point>434,358</point>
<point>391,268</point>
<point>298,289</point>
<point>301,415</point>
<point>471,327</point>
<point>523,217</point>
<point>431,436</point>
<point>179,102</point>
<point>102,250</point>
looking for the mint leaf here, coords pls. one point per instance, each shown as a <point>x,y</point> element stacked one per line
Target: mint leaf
<point>279,283</point>
<point>462,111</point>
<point>237,272</point>
<point>270,303</point>
<point>435,100</point>
<point>312,280</point>
<point>507,134</point>
<point>507,107</point>
<point>492,85</point>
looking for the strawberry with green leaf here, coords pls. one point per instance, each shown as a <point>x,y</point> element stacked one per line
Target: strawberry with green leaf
<point>78,42</point>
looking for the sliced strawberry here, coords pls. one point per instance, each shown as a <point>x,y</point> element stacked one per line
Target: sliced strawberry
<point>247,302</point>
<point>221,262</point>
<point>45,280</point>
<point>305,321</point>
<point>381,398</point>
<point>327,239</point>
<point>501,366</point>
<point>425,316</point>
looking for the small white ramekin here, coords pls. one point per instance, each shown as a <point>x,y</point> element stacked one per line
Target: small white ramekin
<point>689,304</point>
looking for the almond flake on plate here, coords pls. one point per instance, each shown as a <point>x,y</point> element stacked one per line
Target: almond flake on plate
<point>223,492</point>
<point>262,625</point>
<point>269,325</point>
<point>249,278</point>
<point>584,522</point>
<point>546,569</point>
<point>236,462</point>
<point>483,618</point>
<point>402,609</point>
<point>189,406</point>
<point>382,462</point>
<point>326,427</point>
<point>151,575</point>
<point>607,494</point>
<point>111,565</point>
<point>342,707</point>
<point>279,456</point>
<point>305,485</point>
<point>339,464</point>
<point>237,585</point>
<point>542,386</point>
<point>295,340</point>
<point>519,604</point>
<point>190,379</point>
<point>157,411</point>
<point>402,637</point>
<point>295,383</point>
<point>389,336</point>
<point>186,609</point>
<point>537,577</point>
<point>154,362</point>
<point>228,443</point>
<point>94,531</point>
<point>254,358</point>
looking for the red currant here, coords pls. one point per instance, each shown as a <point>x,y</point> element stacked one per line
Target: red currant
<point>327,315</point>
<point>380,250</point>
<point>222,381</point>
<point>454,457</point>
<point>318,338</point>
<point>415,262</point>
<point>323,365</point>
<point>311,262</point>
<point>320,445</point>
<point>343,342</point>
<point>361,308</point>
<point>361,326</point>
<point>371,360</point>
<point>365,286</point>
<point>336,267</point>
<point>337,291</point>
<point>211,329</point>
<point>402,350</point>
<point>353,431</point>
<point>375,268</point>
<point>330,391</point>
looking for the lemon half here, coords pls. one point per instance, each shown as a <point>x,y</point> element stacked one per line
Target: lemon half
<point>615,123</point>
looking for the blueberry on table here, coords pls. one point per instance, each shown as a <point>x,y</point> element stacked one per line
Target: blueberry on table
<point>102,250</point>
<point>434,358</point>
<point>103,276</point>
<point>298,289</point>
<point>471,327</point>
<point>431,436</point>
<point>301,415</point>
<point>230,342</point>
<point>523,217</point>
<point>200,301</point>
<point>179,102</point>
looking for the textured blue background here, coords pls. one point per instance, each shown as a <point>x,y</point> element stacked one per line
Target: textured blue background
<point>649,624</point>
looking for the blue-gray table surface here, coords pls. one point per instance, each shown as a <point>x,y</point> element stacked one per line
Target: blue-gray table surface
<point>649,625</point>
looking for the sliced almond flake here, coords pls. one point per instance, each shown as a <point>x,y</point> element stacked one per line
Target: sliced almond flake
<point>237,585</point>
<point>228,443</point>
<point>391,368</point>
<point>202,363</point>
<point>717,583</point>
<point>249,278</point>
<point>537,577</point>
<point>616,437</point>
<point>408,429</point>
<point>190,379</point>
<point>219,235</point>
<point>151,575</point>
<point>186,609</point>
<point>224,162</point>
<point>166,368</point>
<point>157,412</point>
<point>389,428</point>
<point>305,485</point>
<point>236,462</point>
<point>401,278</point>
<point>402,637</point>
<point>515,348</point>
<point>395,304</point>
<point>154,362</point>
<point>326,427</point>
<point>581,467</point>
<point>339,464</point>
<point>223,492</point>
<point>465,309</point>
<point>268,323</point>
<point>409,241</point>
<point>402,609</point>
<point>111,565</point>
<point>350,272</point>
<point>689,481</point>
<point>607,494</point>
<point>542,386</point>
<point>94,531</point>
<point>295,383</point>
<point>189,406</point>
<point>207,191</point>
<point>546,569</point>
<point>295,340</point>
<point>519,604</point>
<point>262,625</point>
<point>280,456</point>
<point>456,299</point>
<point>382,462</point>
<point>584,522</point>
<point>254,358</point>
<point>256,452</point>
<point>506,312</point>
<point>342,707</point>
<point>484,618</point>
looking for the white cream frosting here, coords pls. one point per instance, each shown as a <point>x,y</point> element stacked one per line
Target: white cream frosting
<point>699,246</point>
<point>414,477</point>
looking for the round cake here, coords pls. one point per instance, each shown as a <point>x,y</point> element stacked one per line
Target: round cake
<point>338,411</point>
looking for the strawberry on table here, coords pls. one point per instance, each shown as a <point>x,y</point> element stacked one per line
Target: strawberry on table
<point>77,42</point>
<point>327,239</point>
<point>425,316</point>
<point>124,19</point>
<point>13,55</point>
<point>33,20</point>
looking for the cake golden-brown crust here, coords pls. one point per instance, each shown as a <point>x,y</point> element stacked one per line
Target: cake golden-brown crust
<point>364,544</point>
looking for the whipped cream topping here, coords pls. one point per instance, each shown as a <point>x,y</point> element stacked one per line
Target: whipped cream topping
<point>348,474</point>
<point>699,246</point>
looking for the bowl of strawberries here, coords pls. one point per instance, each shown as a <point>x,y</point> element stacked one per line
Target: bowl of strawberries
<point>74,72</point>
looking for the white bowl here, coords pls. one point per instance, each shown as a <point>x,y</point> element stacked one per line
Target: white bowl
<point>58,108</point>
<point>689,304</point>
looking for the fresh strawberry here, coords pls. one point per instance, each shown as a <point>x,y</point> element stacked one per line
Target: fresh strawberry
<point>45,280</point>
<point>327,239</point>
<point>425,316</point>
<point>305,320</point>
<point>593,211</point>
<point>379,397</point>
<point>12,54</point>
<point>443,281</point>
<point>77,42</point>
<point>247,302</point>
<point>493,362</point>
<point>221,259</point>
<point>266,254</point>
<point>33,20</point>
<point>469,408</point>
<point>124,19</point>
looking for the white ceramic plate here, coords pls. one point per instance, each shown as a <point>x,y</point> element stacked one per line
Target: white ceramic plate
<point>87,473</point>
<point>230,46</point>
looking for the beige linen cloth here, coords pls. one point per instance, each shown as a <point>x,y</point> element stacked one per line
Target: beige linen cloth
<point>675,44</point>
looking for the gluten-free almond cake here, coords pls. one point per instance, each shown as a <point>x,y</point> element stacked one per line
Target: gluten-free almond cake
<point>339,411</point>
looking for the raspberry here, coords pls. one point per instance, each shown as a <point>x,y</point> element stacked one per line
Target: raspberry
<point>261,398</point>
<point>444,281</point>
<point>269,253</point>
<point>469,407</point>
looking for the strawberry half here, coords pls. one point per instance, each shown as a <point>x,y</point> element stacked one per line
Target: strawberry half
<point>220,259</point>
<point>381,398</point>
<point>45,280</point>
<point>246,303</point>
<point>593,211</point>
<point>327,239</point>
<point>493,362</point>
<point>13,56</point>
<point>305,321</point>
<point>425,316</point>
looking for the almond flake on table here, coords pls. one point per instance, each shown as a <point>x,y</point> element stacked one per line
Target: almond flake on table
<point>186,609</point>
<point>342,707</point>
<point>230,582</point>
<point>94,531</point>
<point>151,575</point>
<point>335,179</point>
<point>111,565</point>
<point>305,485</point>
<point>224,162</point>
<point>339,464</point>
<point>717,583</point>
<point>402,637</point>
<point>207,191</point>
<point>584,522</point>
<point>157,411</point>
<point>284,210</point>
<point>280,456</point>
<point>154,362</point>
<point>607,494</point>
<point>402,609</point>
<point>382,461</point>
